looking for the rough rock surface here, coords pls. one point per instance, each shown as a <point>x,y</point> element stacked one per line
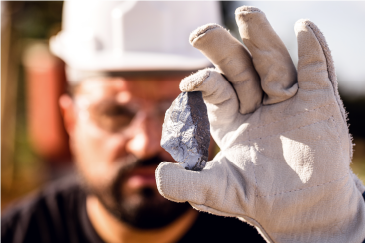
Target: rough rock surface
<point>186,131</point>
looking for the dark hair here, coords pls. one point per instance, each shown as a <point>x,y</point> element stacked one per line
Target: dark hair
<point>71,89</point>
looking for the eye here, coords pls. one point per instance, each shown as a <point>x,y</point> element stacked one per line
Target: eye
<point>112,117</point>
<point>116,110</point>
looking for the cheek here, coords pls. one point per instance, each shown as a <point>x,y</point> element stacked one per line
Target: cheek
<point>96,153</point>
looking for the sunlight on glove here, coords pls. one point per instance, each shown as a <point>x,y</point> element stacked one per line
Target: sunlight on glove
<point>285,145</point>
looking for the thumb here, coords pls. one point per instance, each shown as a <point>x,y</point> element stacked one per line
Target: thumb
<point>217,189</point>
<point>198,187</point>
<point>180,185</point>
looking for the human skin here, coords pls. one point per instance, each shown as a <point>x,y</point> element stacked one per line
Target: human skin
<point>99,153</point>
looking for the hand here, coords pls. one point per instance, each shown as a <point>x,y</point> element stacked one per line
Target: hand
<point>285,146</point>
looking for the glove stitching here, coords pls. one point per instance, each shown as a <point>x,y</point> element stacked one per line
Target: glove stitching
<point>254,170</point>
<point>207,96</point>
<point>331,75</point>
<point>327,53</point>
<point>254,128</point>
<point>221,103</point>
<point>339,137</point>
<point>288,130</point>
<point>335,124</point>
<point>306,188</point>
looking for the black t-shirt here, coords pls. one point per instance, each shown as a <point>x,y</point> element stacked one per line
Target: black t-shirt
<point>58,214</point>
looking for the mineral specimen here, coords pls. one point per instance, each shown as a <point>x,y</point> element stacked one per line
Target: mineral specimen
<point>186,132</point>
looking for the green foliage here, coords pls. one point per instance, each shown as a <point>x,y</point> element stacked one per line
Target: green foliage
<point>35,19</point>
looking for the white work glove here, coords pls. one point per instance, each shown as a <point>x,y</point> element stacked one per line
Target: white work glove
<point>285,145</point>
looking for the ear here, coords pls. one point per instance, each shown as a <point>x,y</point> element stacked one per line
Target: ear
<point>67,107</point>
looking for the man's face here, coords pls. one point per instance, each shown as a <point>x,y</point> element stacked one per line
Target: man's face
<point>116,142</point>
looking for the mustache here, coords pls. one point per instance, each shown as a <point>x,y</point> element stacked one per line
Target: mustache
<point>130,162</point>
<point>124,166</point>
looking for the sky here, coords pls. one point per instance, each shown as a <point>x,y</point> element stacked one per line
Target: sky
<point>343,25</point>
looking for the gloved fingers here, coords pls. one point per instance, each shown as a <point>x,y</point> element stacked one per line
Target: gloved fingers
<point>315,64</point>
<point>218,94</point>
<point>269,54</point>
<point>232,59</point>
<point>316,70</point>
<point>214,187</point>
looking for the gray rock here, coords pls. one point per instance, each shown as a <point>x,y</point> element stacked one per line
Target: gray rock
<point>186,131</point>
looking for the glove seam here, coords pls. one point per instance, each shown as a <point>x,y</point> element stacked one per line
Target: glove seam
<point>207,96</point>
<point>335,125</point>
<point>254,170</point>
<point>255,139</point>
<point>331,75</point>
<point>306,188</point>
<point>291,116</point>
<point>221,103</point>
<point>315,90</point>
<point>329,60</point>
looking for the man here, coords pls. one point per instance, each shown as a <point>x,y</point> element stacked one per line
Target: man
<point>124,64</point>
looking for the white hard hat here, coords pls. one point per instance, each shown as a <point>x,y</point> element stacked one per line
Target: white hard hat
<point>132,35</point>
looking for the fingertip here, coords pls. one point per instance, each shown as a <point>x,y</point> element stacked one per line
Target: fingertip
<point>315,64</point>
<point>165,166</point>
<point>301,25</point>
<point>270,57</point>
<point>305,25</point>
<point>247,10</point>
<point>200,31</point>
<point>165,173</point>
<point>193,81</point>
<point>242,12</point>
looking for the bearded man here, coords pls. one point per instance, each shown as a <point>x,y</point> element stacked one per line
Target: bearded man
<point>124,62</point>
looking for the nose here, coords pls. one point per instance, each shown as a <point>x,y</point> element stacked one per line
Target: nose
<point>144,142</point>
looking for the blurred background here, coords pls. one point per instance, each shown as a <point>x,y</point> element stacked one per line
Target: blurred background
<point>34,144</point>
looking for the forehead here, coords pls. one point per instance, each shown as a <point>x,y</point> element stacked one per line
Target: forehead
<point>150,88</point>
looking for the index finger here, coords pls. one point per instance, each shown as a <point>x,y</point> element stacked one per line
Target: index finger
<point>269,54</point>
<point>231,59</point>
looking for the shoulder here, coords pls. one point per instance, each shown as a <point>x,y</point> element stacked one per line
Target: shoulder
<point>44,209</point>
<point>63,189</point>
<point>212,228</point>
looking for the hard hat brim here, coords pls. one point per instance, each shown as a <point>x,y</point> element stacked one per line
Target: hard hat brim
<point>126,61</point>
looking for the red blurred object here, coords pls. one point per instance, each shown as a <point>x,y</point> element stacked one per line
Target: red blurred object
<point>45,81</point>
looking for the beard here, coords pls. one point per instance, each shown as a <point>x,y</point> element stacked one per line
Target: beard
<point>144,209</point>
